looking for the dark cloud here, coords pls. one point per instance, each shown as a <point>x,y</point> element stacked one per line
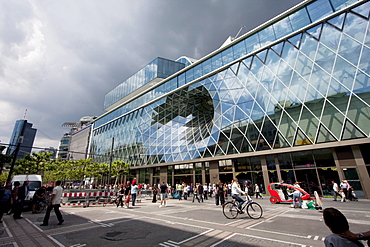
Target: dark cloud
<point>60,58</point>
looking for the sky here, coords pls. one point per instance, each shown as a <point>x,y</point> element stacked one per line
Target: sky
<point>59,58</point>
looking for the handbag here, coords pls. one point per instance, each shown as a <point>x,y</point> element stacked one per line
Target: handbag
<point>127,199</point>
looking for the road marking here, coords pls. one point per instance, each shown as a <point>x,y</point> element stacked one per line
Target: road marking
<point>251,236</point>
<point>316,238</point>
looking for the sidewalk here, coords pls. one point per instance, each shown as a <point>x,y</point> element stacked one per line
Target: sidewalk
<point>22,232</point>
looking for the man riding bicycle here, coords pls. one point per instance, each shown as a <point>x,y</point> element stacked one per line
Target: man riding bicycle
<point>235,190</point>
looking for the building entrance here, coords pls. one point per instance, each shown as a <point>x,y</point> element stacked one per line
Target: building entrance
<point>188,179</point>
<point>351,176</point>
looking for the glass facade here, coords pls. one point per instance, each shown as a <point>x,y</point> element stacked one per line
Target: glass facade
<point>301,80</point>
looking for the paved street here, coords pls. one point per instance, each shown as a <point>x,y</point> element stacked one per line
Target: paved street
<point>181,223</point>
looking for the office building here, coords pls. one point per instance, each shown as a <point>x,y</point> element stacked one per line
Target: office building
<point>288,100</point>
<point>23,134</point>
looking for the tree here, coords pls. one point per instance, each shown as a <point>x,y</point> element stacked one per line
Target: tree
<point>4,158</point>
<point>35,163</point>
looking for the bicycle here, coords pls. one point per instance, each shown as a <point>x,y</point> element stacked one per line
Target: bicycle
<point>40,205</point>
<point>231,211</point>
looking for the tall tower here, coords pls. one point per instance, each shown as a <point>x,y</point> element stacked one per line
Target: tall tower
<point>25,139</point>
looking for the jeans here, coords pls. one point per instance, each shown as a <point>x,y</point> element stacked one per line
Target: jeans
<point>180,194</point>
<point>239,199</point>
<point>298,197</point>
<point>57,213</point>
<point>133,199</point>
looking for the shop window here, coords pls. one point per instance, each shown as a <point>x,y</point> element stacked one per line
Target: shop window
<point>270,162</point>
<point>285,161</point>
<point>184,169</point>
<point>242,164</point>
<point>225,166</point>
<point>323,158</point>
<point>303,160</point>
<point>198,168</point>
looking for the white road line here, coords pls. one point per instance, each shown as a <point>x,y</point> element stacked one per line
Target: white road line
<point>196,236</point>
<point>316,238</point>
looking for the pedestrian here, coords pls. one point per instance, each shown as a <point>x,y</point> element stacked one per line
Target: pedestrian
<point>186,191</point>
<point>200,192</point>
<point>163,195</point>
<point>180,190</point>
<point>196,193</point>
<point>120,196</point>
<point>155,192</point>
<point>127,194</point>
<point>22,194</point>
<point>206,189</point>
<point>134,190</point>
<point>297,197</point>
<point>335,190</point>
<point>5,200</point>
<point>38,198</point>
<point>338,225</point>
<point>344,186</point>
<point>219,193</point>
<point>54,203</point>
<point>257,191</point>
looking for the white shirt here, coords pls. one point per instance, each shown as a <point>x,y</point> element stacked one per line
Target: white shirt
<point>57,191</point>
<point>235,189</point>
<point>335,187</point>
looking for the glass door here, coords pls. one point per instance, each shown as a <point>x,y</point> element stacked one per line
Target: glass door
<point>353,179</point>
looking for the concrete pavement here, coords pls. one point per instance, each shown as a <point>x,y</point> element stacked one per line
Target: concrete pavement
<point>181,223</point>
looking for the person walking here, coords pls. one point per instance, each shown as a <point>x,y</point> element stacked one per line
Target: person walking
<point>180,190</point>
<point>5,200</point>
<point>134,190</point>
<point>54,203</point>
<point>219,193</point>
<point>120,196</point>
<point>257,191</point>
<point>127,194</point>
<point>154,192</point>
<point>200,192</point>
<point>335,190</point>
<point>163,189</point>
<point>22,194</point>
<point>206,189</point>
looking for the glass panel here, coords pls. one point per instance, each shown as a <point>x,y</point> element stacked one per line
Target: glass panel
<point>299,19</point>
<point>227,56</point>
<point>252,43</point>
<point>344,72</point>
<point>272,61</point>
<point>287,127</point>
<point>351,132</point>
<point>332,119</point>
<point>362,86</point>
<point>325,136</point>
<point>308,181</point>
<point>285,161</point>
<point>303,66</point>
<point>350,49</point>
<point>341,4</point>
<point>319,9</point>
<point>315,31</point>
<point>365,61</point>
<point>330,37</point>
<point>338,21</point>
<point>282,28</point>
<point>266,36</point>
<point>309,46</point>
<point>270,162</point>
<point>309,124</point>
<point>207,67</point>
<point>239,50</point>
<point>325,58</point>
<point>320,80</point>
<point>358,112</point>
<point>355,26</point>
<point>363,9</point>
<point>289,54</point>
<point>216,61</point>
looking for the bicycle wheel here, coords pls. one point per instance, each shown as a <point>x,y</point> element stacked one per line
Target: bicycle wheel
<point>254,210</point>
<point>230,210</point>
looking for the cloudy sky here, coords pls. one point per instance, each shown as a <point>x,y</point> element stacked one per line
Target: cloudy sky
<point>60,58</point>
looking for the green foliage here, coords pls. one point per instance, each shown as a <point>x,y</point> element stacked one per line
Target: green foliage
<point>51,170</point>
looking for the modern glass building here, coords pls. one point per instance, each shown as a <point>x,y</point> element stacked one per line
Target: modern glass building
<point>23,134</point>
<point>288,100</point>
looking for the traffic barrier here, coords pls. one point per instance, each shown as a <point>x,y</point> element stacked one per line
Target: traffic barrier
<point>86,199</point>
